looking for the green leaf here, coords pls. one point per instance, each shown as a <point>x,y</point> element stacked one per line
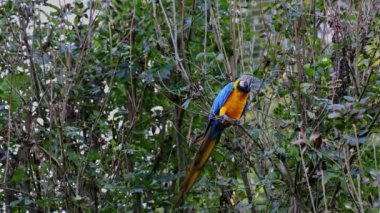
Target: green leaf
<point>306,87</point>
<point>165,72</point>
<point>15,203</point>
<point>255,133</point>
<point>185,105</point>
<point>18,174</point>
<point>28,201</point>
<point>329,175</point>
<point>355,140</point>
<point>10,86</point>
<point>334,115</point>
<point>309,70</point>
<point>94,155</point>
<point>310,114</point>
<point>336,107</point>
<point>349,98</point>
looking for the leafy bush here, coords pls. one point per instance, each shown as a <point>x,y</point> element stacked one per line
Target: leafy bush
<point>100,102</point>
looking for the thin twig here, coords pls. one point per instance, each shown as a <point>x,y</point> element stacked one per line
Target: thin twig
<point>323,189</point>
<point>173,35</point>
<point>307,180</point>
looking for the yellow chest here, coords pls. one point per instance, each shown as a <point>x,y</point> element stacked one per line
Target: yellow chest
<point>235,104</point>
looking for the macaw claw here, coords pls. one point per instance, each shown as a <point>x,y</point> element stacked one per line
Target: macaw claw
<point>231,120</point>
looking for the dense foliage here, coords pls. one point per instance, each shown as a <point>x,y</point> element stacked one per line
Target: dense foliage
<point>101,102</point>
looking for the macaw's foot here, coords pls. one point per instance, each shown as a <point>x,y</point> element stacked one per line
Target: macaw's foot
<point>231,120</point>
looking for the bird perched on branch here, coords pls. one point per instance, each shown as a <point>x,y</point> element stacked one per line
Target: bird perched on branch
<point>227,109</point>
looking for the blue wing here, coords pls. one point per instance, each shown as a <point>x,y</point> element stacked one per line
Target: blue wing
<point>220,99</point>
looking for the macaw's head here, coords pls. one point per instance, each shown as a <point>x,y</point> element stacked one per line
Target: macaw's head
<point>245,83</point>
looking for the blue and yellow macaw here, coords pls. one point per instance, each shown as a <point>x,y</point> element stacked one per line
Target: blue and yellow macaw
<point>230,104</point>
